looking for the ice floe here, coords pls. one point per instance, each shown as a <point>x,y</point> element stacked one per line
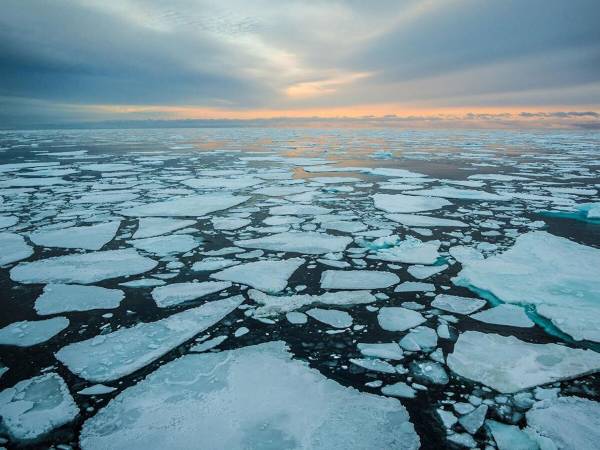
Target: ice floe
<point>269,276</point>
<point>457,304</point>
<point>396,318</point>
<point>557,276</point>
<point>250,397</point>
<point>58,298</point>
<point>400,203</point>
<point>509,365</point>
<point>91,237</point>
<point>190,206</point>
<point>508,315</point>
<point>155,226</point>
<point>167,245</point>
<point>332,317</point>
<point>111,356</point>
<point>357,279</point>
<point>177,293</point>
<point>34,407</point>
<point>298,242</point>
<point>13,248</point>
<point>32,332</point>
<point>83,268</point>
<point>416,220</point>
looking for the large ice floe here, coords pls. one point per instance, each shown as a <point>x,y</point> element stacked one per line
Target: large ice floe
<point>252,397</point>
<point>358,279</point>
<point>111,356</point>
<point>565,423</point>
<point>269,276</point>
<point>191,206</point>
<point>508,364</point>
<point>36,406</point>
<point>298,242</point>
<point>90,237</point>
<point>83,268</point>
<point>555,275</point>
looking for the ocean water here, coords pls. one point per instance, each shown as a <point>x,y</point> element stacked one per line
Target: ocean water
<point>329,199</point>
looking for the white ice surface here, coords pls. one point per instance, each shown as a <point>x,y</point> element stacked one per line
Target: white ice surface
<point>111,356</point>
<point>357,279</point>
<point>32,332</point>
<point>13,248</point>
<point>252,397</point>
<point>509,365</point>
<point>509,315</point>
<point>416,220</point>
<point>177,293</point>
<point>166,245</point>
<point>83,268</point>
<point>191,206</point>
<point>90,237</point>
<point>269,276</point>
<point>399,319</point>
<point>299,242</point>
<point>58,298</point>
<point>400,203</point>
<point>332,317</point>
<point>36,406</point>
<point>155,226</point>
<point>457,304</point>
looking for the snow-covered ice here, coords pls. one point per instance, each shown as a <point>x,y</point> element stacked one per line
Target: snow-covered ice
<point>457,304</point>
<point>190,206</point>
<point>395,318</point>
<point>332,317</point>
<point>358,279</point>
<point>155,226</point>
<point>298,242</point>
<point>400,203</point>
<point>167,245</point>
<point>13,248</point>
<point>509,315</point>
<point>90,237</point>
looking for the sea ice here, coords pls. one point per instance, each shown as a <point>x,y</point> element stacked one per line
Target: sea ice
<point>400,203</point>
<point>166,245</point>
<point>422,272</point>
<point>565,423</point>
<point>14,248</point>
<point>389,350</point>
<point>58,298</point>
<point>177,293</point>
<point>416,220</point>
<point>399,389</point>
<point>331,317</point>
<point>410,250</point>
<point>278,304</point>
<point>111,356</point>
<point>374,365</point>
<point>191,206</point>
<point>34,407</point>
<point>462,194</point>
<point>8,221</point>
<point>510,437</point>
<point>155,226</point>
<point>509,365</point>
<point>357,279</point>
<point>298,210</point>
<point>252,397</point>
<point>509,315</point>
<point>213,263</point>
<point>456,304</point>
<point>91,237</point>
<point>83,268</point>
<point>32,332</point>
<point>222,183</point>
<point>229,223</point>
<point>398,318</point>
<point>419,339</point>
<point>299,242</point>
<point>557,276</point>
<point>97,389</point>
<point>269,276</point>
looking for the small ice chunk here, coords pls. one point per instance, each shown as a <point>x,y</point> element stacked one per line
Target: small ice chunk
<point>509,365</point>
<point>422,272</point>
<point>269,276</point>
<point>374,365</point>
<point>429,372</point>
<point>357,279</point>
<point>399,389</point>
<point>410,250</point>
<point>91,237</point>
<point>414,286</point>
<point>297,318</point>
<point>177,293</point>
<point>456,304</point>
<point>229,223</point>
<point>111,356</point>
<point>509,315</point>
<point>331,317</point>
<point>419,339</point>
<point>241,331</point>
<point>143,282</point>
<point>510,437</point>
<point>32,332</point>
<point>389,350</point>
<point>58,298</point>
<point>36,406</point>
<point>209,344</point>
<point>83,268</point>
<point>97,389</point>
<point>398,318</point>
<point>473,421</point>
<point>213,263</point>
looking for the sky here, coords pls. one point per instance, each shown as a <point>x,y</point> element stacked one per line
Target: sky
<point>473,63</point>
